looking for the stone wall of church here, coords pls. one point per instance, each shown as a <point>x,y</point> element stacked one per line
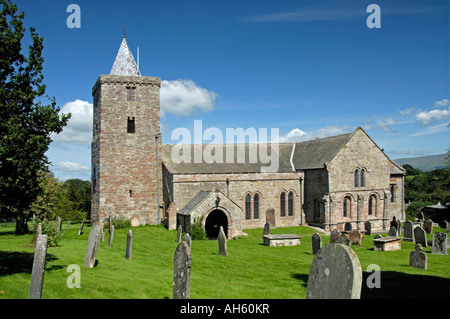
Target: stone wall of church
<point>125,161</point>
<point>268,186</point>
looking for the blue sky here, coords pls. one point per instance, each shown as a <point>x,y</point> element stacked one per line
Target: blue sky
<point>309,68</point>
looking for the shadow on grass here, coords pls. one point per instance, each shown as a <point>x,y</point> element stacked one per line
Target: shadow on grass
<point>14,262</point>
<point>303,278</point>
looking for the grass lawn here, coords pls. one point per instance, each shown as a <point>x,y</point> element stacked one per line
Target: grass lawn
<point>251,271</point>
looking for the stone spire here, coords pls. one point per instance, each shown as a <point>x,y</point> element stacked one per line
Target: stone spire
<point>124,63</point>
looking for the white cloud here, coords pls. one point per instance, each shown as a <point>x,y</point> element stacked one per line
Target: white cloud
<point>385,123</point>
<point>433,130</point>
<point>442,103</point>
<point>427,117</point>
<point>182,97</point>
<point>297,135</point>
<point>79,127</point>
<point>407,111</point>
<point>68,166</point>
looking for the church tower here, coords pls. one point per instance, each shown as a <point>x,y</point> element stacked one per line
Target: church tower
<point>124,146</point>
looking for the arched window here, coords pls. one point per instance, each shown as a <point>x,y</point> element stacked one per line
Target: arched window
<point>256,206</point>
<point>248,206</point>
<point>363,177</point>
<point>291,204</point>
<point>346,207</point>
<point>372,205</point>
<point>283,204</point>
<point>356,175</point>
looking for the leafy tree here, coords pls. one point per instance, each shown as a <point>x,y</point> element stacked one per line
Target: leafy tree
<point>26,123</point>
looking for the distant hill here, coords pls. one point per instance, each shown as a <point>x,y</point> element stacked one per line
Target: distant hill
<point>425,163</point>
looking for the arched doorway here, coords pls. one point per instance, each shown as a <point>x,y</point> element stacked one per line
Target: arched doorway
<point>215,219</point>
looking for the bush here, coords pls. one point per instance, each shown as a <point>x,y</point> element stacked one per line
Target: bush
<point>49,228</point>
<point>197,231</point>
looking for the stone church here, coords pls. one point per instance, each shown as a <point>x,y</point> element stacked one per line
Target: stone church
<point>331,182</point>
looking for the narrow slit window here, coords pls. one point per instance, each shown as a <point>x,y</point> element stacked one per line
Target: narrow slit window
<point>131,93</point>
<point>256,206</point>
<point>283,204</point>
<point>356,173</point>
<point>248,207</point>
<point>130,125</point>
<point>291,204</point>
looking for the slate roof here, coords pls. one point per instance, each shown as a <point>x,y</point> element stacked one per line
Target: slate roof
<point>194,202</point>
<point>124,63</point>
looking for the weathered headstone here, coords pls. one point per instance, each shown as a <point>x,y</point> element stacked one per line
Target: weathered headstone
<point>420,216</point>
<point>417,258</point>
<point>316,243</point>
<point>399,228</point>
<point>222,239</point>
<point>377,236</point>
<point>103,233</point>
<point>348,227</point>
<point>392,232</point>
<point>135,222</point>
<point>187,239</point>
<point>428,226</point>
<point>420,236</point>
<point>80,231</point>
<point>342,239</point>
<point>111,236</point>
<point>270,217</point>
<point>179,233</point>
<point>92,246</point>
<point>355,237</point>
<point>408,234</point>
<point>128,252</point>
<point>335,233</point>
<point>182,272</point>
<point>439,243</point>
<point>68,224</point>
<point>37,273</point>
<point>266,229</point>
<point>368,227</point>
<point>335,273</point>
<point>38,233</point>
<point>447,229</point>
<point>59,223</point>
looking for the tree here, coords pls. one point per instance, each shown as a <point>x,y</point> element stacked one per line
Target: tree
<point>26,122</point>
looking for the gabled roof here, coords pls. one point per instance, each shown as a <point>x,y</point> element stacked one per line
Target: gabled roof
<point>124,63</point>
<point>194,202</point>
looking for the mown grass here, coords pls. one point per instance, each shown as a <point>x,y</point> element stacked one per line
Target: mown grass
<point>251,271</point>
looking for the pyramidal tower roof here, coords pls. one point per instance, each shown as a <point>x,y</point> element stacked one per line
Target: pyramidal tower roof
<point>124,63</point>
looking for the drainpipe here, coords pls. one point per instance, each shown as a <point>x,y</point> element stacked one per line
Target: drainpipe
<point>228,187</point>
<point>157,172</point>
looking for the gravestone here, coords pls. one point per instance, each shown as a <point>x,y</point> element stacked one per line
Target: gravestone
<point>335,273</point>
<point>348,227</point>
<point>377,236</point>
<point>68,224</point>
<point>270,217</point>
<point>38,233</point>
<point>368,228</point>
<point>37,272</point>
<point>59,223</point>
<point>392,232</point>
<point>335,233</point>
<point>182,272</point>
<point>103,233</point>
<point>355,237</point>
<point>342,239</point>
<point>128,252</point>
<point>439,243</point>
<point>92,246</point>
<point>428,226</point>
<point>447,229</point>
<point>421,217</point>
<point>134,221</point>
<point>187,239</point>
<point>417,258</point>
<point>111,236</point>
<point>420,236</point>
<point>316,243</point>
<point>222,239</point>
<point>408,234</point>
<point>266,229</point>
<point>399,228</point>
<point>80,231</point>
<point>179,232</point>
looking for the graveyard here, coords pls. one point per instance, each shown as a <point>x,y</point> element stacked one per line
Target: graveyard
<point>250,270</point>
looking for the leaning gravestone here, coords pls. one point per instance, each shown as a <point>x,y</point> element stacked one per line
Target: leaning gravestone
<point>266,229</point>
<point>335,233</point>
<point>316,243</point>
<point>377,236</point>
<point>439,243</point>
<point>335,273</point>
<point>37,273</point>
<point>128,252</point>
<point>428,226</point>
<point>355,237</point>
<point>417,258</point>
<point>111,236</point>
<point>342,239</point>
<point>80,231</point>
<point>420,236</point>
<point>222,239</point>
<point>92,246</point>
<point>182,272</point>
<point>368,228</point>
<point>392,232</point>
<point>408,233</point>
<point>187,239</point>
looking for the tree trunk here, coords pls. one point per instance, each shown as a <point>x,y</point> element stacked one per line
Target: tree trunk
<point>21,225</point>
